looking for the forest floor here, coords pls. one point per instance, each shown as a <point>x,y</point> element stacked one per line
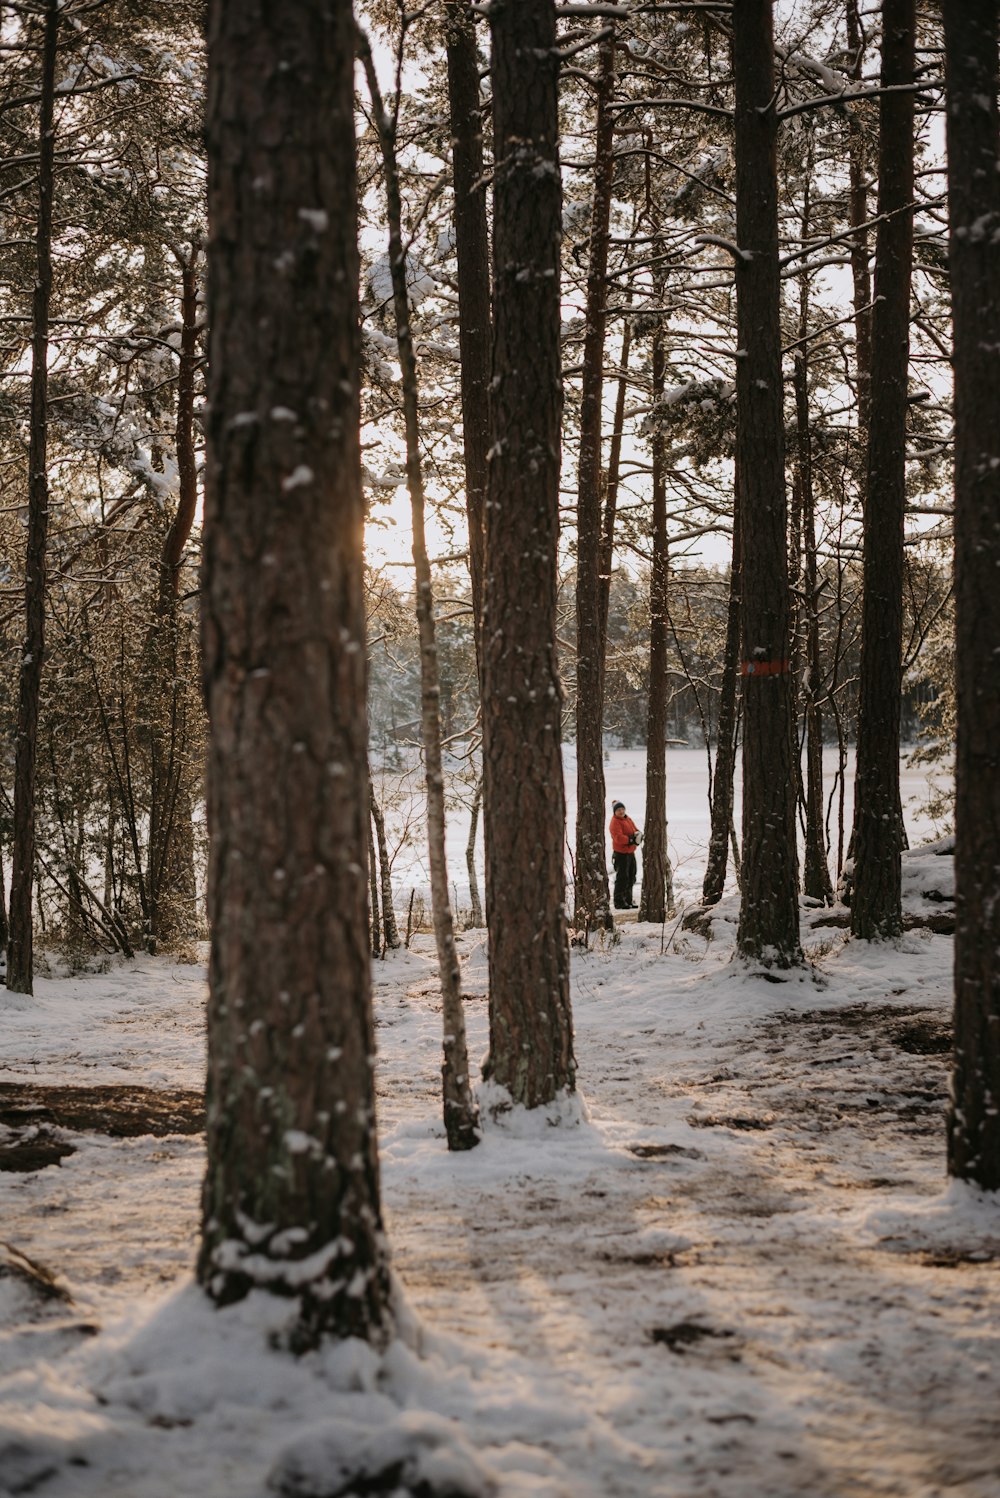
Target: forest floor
<point>731,1268</point>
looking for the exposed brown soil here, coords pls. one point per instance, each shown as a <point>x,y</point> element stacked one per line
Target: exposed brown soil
<point>33,1116</point>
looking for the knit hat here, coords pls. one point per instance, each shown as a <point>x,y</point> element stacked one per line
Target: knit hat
<point>615,805</point>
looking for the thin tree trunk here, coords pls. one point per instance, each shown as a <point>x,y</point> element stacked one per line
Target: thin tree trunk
<point>20,962</point>
<point>769,925</point>
<point>390,930</point>
<point>656,898</point>
<point>531,1030</point>
<point>725,754</point>
<point>4,928</point>
<point>461,1115</point>
<point>971,41</point>
<point>857,216</point>
<point>876,899</point>
<point>472,249</point>
<point>816,882</point>
<point>170,877</point>
<point>606,564</point>
<point>476,916</point>
<point>291,1196</point>
<point>591,879</point>
<point>376,929</point>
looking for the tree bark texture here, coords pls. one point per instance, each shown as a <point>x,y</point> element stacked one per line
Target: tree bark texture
<point>461,1115</point>
<point>591,874</point>
<point>656,897</point>
<point>725,754</point>
<point>876,899</point>
<point>768,928</point>
<point>20,950</point>
<point>291,1197</point>
<point>973,135</point>
<point>472,249</point>
<point>531,1032</point>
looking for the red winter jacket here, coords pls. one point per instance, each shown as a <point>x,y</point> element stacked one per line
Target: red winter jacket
<point>623,831</point>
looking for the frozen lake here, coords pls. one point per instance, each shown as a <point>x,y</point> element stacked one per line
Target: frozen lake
<point>625,780</point>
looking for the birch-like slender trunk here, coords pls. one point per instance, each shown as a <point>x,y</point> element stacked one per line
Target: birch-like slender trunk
<point>461,1115</point>
<point>20,953</point>
<point>592,907</point>
<point>390,930</point>
<point>657,897</point>
<point>723,829</point>
<point>476,914</point>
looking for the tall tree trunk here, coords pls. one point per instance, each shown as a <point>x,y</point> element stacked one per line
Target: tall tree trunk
<point>22,872</point>
<point>769,924</point>
<point>607,555</point>
<point>476,913</point>
<point>591,882</point>
<point>473,252</point>
<point>461,1115</point>
<point>390,930</point>
<point>857,217</point>
<point>291,1196</point>
<point>816,882</point>
<point>4,928</point>
<point>725,755</point>
<point>531,1031</point>
<point>376,928</point>
<point>171,875</point>
<point>971,40</point>
<point>657,877</point>
<point>876,899</point>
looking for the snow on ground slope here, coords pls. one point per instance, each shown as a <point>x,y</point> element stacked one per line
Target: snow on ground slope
<point>737,1274</point>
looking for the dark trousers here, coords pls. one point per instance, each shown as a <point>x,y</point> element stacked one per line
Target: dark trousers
<point>624,879</point>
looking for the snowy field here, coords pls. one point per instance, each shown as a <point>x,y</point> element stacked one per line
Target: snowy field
<point>625,780</point>
<point>733,1270</point>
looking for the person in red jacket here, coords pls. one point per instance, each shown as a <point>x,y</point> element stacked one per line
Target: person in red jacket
<point>624,841</point>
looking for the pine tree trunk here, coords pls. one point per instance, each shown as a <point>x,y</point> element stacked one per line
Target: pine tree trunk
<point>390,930</point>
<point>461,1115</point>
<point>591,881</point>
<point>291,1196</point>
<point>768,928</point>
<point>656,871</point>
<point>476,915</point>
<point>971,41</point>
<point>20,958</point>
<point>725,754</point>
<point>473,252</point>
<point>876,899</point>
<point>531,1033</point>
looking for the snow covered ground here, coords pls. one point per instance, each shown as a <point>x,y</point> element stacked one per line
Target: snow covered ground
<point>625,780</point>
<point>735,1270</point>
